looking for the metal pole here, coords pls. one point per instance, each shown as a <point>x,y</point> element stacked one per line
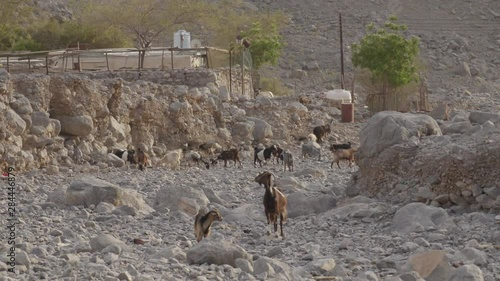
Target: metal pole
<point>29,63</point>
<point>206,55</point>
<point>79,63</point>
<point>242,74</point>
<point>172,58</point>
<point>8,67</point>
<point>341,53</point>
<point>65,64</point>
<point>107,61</point>
<point>139,62</point>
<point>47,64</point>
<point>162,57</point>
<point>230,71</point>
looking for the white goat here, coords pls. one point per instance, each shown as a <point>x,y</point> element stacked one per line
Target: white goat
<point>312,137</point>
<point>172,159</point>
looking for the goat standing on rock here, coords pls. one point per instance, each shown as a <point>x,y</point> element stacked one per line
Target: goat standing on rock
<point>203,222</point>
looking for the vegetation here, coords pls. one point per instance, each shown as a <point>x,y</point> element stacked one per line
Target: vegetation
<point>266,44</point>
<point>388,55</point>
<point>274,85</point>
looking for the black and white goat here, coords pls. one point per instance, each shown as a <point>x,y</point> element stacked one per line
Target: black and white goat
<point>278,154</point>
<point>203,222</point>
<point>263,154</point>
<point>126,155</point>
<point>274,207</point>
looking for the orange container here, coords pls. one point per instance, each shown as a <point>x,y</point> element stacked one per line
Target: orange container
<point>347,112</point>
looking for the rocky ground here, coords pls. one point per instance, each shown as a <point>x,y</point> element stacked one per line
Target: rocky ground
<point>326,234</point>
<point>78,222</point>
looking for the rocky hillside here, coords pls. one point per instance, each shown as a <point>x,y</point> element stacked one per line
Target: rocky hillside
<point>460,42</point>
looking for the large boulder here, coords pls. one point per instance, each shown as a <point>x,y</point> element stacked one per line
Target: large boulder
<point>479,117</point>
<point>89,190</point>
<point>301,204</point>
<point>419,217</point>
<point>22,106</point>
<point>261,130</point>
<point>430,265</point>
<point>388,128</point>
<point>216,252</point>
<point>14,122</point>
<point>76,125</point>
<point>180,198</point>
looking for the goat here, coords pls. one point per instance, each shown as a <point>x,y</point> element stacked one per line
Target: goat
<point>142,159</point>
<point>264,178</point>
<point>278,154</point>
<point>321,131</point>
<point>231,154</point>
<point>347,154</point>
<point>275,206</point>
<point>287,159</point>
<point>203,222</point>
<point>126,155</point>
<point>172,158</point>
<point>311,148</point>
<point>334,147</point>
<point>263,154</point>
<point>312,137</point>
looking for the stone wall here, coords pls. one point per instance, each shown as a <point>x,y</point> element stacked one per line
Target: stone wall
<point>43,118</point>
<point>198,77</point>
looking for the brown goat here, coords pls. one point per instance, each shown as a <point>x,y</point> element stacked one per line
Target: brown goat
<point>232,154</point>
<point>343,154</point>
<point>321,132</point>
<point>275,206</point>
<point>203,222</point>
<point>264,178</point>
<point>142,159</point>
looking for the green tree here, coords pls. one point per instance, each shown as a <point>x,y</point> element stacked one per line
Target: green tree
<point>15,16</point>
<point>388,55</point>
<point>265,44</point>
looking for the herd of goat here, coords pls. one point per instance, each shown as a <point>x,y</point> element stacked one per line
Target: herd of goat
<point>274,200</point>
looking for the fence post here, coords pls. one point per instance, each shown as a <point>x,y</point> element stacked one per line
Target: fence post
<point>162,57</point>
<point>107,61</point>
<point>230,71</point>
<point>8,67</point>
<point>172,58</point>
<point>47,64</point>
<point>207,56</point>
<point>29,63</point>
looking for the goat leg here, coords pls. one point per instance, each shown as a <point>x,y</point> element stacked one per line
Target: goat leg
<point>281,226</point>
<point>268,225</point>
<point>276,227</point>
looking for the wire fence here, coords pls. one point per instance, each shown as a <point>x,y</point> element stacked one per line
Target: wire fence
<point>74,60</point>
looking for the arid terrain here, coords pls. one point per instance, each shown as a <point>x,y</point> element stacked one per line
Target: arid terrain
<point>421,202</point>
